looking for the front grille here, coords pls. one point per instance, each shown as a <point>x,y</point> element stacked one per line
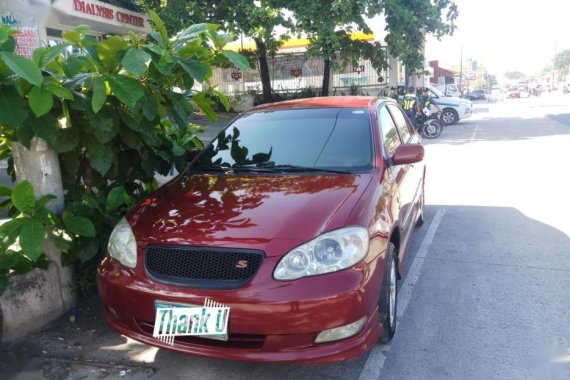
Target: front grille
<point>240,341</point>
<point>208,268</point>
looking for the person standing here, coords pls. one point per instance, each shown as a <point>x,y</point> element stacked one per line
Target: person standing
<point>410,104</point>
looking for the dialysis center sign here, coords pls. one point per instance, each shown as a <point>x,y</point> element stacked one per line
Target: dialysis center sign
<point>102,12</point>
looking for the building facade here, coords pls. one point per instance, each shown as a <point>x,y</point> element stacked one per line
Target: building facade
<point>42,22</point>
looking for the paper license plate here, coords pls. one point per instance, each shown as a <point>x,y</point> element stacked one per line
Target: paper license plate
<point>208,321</point>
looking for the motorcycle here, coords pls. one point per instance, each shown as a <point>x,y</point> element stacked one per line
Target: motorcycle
<point>428,124</point>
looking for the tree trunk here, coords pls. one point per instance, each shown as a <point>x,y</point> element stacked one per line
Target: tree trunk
<point>326,78</point>
<point>264,70</point>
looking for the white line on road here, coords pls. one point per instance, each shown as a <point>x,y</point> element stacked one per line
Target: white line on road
<point>375,361</point>
<point>474,133</point>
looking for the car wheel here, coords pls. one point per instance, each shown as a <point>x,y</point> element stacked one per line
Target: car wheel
<point>389,296</point>
<point>449,116</point>
<point>420,220</point>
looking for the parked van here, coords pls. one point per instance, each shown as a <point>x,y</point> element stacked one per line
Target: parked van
<point>449,89</point>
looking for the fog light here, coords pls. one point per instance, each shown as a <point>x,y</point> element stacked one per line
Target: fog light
<point>341,332</point>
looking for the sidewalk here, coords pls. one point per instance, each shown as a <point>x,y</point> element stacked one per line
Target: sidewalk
<point>83,349</point>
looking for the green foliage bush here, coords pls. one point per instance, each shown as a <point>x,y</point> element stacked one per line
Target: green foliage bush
<point>117,114</point>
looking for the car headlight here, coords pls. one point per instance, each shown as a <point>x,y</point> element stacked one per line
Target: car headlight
<point>329,252</point>
<point>122,245</point>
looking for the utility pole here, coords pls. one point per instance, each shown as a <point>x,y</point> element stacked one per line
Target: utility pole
<point>553,68</point>
<point>461,71</point>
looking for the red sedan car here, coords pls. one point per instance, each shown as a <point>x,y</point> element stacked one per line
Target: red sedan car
<point>282,241</point>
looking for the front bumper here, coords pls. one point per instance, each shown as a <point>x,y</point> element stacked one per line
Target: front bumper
<point>269,320</point>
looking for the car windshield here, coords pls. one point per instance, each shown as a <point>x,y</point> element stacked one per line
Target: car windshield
<point>437,92</point>
<point>324,138</point>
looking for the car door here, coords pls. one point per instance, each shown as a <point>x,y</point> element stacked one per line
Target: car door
<point>411,186</point>
<point>395,176</point>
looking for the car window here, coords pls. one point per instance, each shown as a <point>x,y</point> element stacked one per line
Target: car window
<point>313,137</point>
<point>401,123</point>
<point>389,132</point>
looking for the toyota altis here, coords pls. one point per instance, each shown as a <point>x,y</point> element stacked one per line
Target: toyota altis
<point>282,241</point>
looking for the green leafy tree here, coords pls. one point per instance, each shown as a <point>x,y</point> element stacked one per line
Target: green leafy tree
<point>328,25</point>
<point>562,63</point>
<point>259,20</point>
<point>117,114</point>
<point>409,21</point>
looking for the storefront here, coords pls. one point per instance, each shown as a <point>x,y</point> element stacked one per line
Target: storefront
<point>42,22</point>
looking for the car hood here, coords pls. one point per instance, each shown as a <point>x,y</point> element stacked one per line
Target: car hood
<point>250,211</point>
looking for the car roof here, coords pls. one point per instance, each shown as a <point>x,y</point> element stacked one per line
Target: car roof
<point>320,102</point>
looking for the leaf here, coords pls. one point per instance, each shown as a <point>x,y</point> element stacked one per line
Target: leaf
<point>61,243</point>
<point>78,225</point>
<point>9,45</point>
<point>11,229</point>
<point>131,138</point>
<point>105,126</point>
<point>101,156</point>
<point>99,94</point>
<point>219,39</point>
<point>43,201</point>
<point>223,99</point>
<point>116,198</point>
<point>25,134</point>
<point>149,105</point>
<point>87,249</point>
<point>23,67</point>
<point>5,191</point>
<point>59,91</point>
<point>205,105</point>
<point>45,127</point>
<point>159,25</point>
<point>136,61</point>
<point>53,52</point>
<point>67,140</point>
<point>40,100</point>
<point>13,109</point>
<point>195,69</point>
<point>128,90</point>
<point>237,60</point>
<point>32,236</point>
<point>38,54</point>
<point>10,260</point>
<point>82,29</point>
<point>192,31</point>
<point>72,36</point>
<point>23,197</point>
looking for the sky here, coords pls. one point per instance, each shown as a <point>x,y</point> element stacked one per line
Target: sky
<point>504,35</point>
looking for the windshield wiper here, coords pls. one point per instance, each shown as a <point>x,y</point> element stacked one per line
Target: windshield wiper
<point>212,168</point>
<point>299,168</point>
<point>232,169</point>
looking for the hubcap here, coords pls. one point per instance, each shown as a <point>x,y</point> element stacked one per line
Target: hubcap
<point>392,294</point>
<point>448,117</point>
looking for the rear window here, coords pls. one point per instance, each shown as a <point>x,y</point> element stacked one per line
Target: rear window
<point>320,138</point>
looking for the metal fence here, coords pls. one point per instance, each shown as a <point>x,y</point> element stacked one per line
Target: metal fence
<point>294,72</point>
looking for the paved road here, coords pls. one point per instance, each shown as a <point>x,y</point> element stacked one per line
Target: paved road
<point>486,294</point>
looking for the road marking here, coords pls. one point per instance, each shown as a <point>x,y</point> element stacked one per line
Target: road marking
<point>474,133</point>
<point>373,366</point>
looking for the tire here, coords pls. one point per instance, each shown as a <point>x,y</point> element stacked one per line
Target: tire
<point>449,116</point>
<point>420,221</point>
<point>389,296</point>
<point>432,129</point>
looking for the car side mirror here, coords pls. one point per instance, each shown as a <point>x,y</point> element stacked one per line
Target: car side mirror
<point>192,154</point>
<point>408,154</point>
